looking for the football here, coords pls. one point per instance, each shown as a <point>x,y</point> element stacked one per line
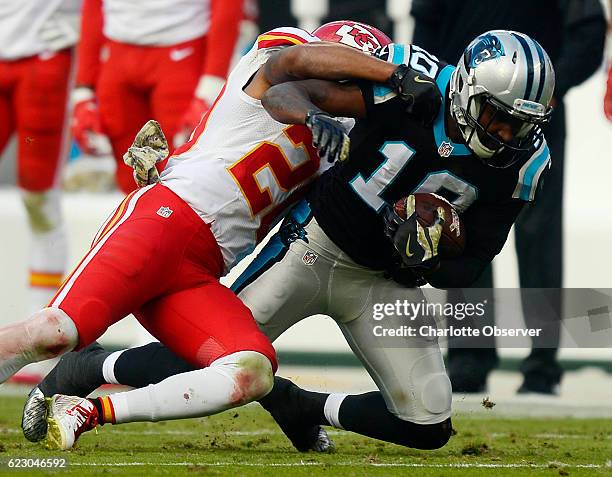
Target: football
<point>452,242</point>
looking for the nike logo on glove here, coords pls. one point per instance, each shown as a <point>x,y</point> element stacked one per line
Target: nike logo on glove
<point>418,79</point>
<point>408,254</point>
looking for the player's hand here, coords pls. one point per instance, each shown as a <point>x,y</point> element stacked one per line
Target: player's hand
<point>190,121</point>
<point>417,245</point>
<point>608,95</point>
<point>86,124</point>
<point>205,94</point>
<point>419,92</point>
<point>149,148</point>
<point>328,136</point>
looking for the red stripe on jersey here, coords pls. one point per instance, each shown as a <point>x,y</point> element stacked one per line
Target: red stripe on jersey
<point>280,38</point>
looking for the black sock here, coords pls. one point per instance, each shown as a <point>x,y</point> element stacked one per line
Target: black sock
<point>149,364</point>
<point>98,405</point>
<point>367,414</point>
<point>286,397</point>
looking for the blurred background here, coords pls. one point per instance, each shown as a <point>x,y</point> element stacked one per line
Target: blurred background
<point>90,195</point>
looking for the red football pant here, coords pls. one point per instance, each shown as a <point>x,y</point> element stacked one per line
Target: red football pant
<point>156,258</point>
<point>138,83</point>
<point>33,97</point>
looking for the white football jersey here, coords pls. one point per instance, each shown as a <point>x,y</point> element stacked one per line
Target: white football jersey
<point>242,169</point>
<point>156,22</point>
<point>33,27</point>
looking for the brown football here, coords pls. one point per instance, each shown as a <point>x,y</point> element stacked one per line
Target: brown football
<point>452,242</point>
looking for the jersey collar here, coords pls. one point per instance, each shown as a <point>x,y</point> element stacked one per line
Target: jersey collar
<point>440,136</point>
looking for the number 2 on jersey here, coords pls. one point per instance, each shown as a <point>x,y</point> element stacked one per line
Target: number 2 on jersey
<point>267,156</point>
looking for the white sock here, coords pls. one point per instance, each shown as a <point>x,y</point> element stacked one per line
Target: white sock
<point>47,334</point>
<point>331,409</point>
<point>108,367</point>
<point>48,246</point>
<point>228,382</point>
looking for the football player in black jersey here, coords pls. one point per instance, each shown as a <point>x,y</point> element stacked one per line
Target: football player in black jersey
<point>483,151</point>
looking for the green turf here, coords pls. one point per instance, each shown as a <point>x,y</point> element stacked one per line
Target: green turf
<point>246,442</point>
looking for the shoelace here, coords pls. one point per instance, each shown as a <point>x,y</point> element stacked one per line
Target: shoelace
<point>84,419</point>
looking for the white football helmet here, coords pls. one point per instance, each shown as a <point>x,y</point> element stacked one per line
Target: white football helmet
<point>502,76</point>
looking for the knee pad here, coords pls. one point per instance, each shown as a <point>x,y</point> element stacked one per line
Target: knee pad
<point>251,372</point>
<point>436,393</point>
<point>44,210</point>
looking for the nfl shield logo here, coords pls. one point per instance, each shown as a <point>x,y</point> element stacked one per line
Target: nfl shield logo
<point>445,149</point>
<point>309,258</point>
<point>164,212</point>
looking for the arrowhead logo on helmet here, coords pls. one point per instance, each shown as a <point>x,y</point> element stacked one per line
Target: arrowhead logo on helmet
<point>354,34</point>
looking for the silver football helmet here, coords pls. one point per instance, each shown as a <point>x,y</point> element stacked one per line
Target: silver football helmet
<point>503,77</point>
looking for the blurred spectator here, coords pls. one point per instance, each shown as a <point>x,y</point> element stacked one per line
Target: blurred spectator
<point>572,32</point>
<point>370,12</point>
<point>274,13</point>
<point>139,60</point>
<point>36,56</point>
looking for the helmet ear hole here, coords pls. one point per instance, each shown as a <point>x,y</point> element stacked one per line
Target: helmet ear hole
<point>461,83</point>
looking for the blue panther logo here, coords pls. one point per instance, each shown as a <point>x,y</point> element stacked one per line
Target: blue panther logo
<point>484,48</point>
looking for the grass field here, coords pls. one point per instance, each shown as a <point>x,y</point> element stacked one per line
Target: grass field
<point>246,442</point>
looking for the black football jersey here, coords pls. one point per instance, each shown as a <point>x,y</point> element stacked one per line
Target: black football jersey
<point>393,155</point>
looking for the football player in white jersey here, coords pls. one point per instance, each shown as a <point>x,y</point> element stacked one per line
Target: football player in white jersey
<point>37,42</point>
<point>330,254</point>
<point>161,253</point>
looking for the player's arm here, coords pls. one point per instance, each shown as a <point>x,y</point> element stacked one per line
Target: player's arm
<point>86,124</point>
<point>221,39</point>
<point>331,61</point>
<point>322,60</point>
<point>313,103</point>
<point>92,37</point>
<point>291,102</point>
<point>487,229</point>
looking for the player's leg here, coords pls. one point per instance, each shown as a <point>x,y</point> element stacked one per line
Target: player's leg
<point>136,256</point>
<point>123,104</point>
<point>539,246</point>
<point>176,77</point>
<point>42,132</point>
<point>413,405</point>
<point>472,358</point>
<point>7,113</point>
<point>278,286</point>
<point>215,332</point>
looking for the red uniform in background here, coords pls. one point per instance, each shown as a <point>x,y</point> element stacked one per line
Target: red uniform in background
<point>139,60</point>
<point>36,56</point>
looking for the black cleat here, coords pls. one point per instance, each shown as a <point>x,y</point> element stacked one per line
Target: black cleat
<point>284,405</point>
<point>77,374</point>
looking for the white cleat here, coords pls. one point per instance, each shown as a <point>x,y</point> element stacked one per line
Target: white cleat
<point>68,417</point>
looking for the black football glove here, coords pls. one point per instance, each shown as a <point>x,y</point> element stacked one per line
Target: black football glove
<point>417,245</point>
<point>328,136</point>
<point>409,277</point>
<point>419,92</point>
